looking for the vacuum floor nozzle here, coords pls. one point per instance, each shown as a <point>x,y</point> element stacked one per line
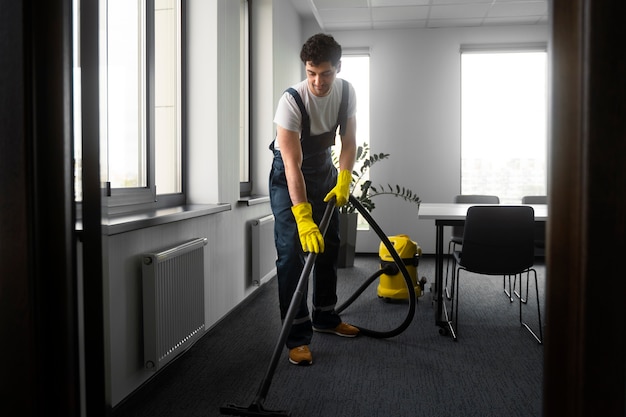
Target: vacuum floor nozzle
<point>253,410</point>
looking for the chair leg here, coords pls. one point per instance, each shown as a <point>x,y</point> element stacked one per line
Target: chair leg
<point>456,274</point>
<point>519,294</point>
<point>539,338</point>
<point>508,292</point>
<point>453,281</point>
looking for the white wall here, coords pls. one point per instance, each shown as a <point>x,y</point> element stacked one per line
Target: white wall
<point>415,116</point>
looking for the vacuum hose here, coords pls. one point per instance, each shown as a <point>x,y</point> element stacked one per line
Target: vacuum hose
<point>399,263</point>
<point>257,408</point>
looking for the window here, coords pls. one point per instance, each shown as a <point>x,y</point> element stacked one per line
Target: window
<point>124,113</point>
<point>78,146</point>
<point>355,68</point>
<point>504,123</point>
<point>245,185</point>
<point>167,96</point>
<point>141,133</point>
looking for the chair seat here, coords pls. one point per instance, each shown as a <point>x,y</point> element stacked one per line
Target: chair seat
<point>458,259</point>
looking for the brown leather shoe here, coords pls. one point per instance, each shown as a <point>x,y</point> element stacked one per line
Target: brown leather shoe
<point>343,330</point>
<point>301,355</point>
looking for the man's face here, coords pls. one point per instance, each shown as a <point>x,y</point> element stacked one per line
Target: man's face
<point>320,78</point>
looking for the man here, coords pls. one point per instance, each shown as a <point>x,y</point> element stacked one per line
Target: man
<point>302,179</point>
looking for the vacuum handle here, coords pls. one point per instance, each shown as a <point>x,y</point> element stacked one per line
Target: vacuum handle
<point>326,217</point>
<point>303,282</point>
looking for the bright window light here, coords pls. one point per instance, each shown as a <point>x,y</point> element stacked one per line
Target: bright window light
<point>503,128</point>
<point>356,70</point>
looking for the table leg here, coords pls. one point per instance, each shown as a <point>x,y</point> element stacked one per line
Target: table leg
<point>439,274</point>
<point>441,314</point>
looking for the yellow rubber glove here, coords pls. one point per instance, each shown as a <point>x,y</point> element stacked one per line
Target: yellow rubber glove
<point>341,191</point>
<point>310,236</point>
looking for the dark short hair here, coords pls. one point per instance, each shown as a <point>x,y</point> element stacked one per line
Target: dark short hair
<point>321,48</point>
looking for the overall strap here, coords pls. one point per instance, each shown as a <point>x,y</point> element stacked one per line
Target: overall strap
<point>306,122</point>
<point>342,120</point>
<point>325,140</point>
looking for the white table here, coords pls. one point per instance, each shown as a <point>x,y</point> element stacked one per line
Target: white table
<point>453,214</point>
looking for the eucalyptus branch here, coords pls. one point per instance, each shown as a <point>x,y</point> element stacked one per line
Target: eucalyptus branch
<point>399,192</point>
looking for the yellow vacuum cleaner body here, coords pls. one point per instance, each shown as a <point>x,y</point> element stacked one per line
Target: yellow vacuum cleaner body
<point>392,284</point>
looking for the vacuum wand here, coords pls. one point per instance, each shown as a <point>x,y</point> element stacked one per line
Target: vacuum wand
<point>256,408</point>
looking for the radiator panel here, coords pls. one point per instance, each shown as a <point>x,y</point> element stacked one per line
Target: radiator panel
<point>173,301</point>
<point>263,249</point>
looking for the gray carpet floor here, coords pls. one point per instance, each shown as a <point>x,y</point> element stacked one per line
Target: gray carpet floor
<point>494,369</point>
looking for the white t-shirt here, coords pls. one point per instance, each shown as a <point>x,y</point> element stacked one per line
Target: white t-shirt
<point>323,111</point>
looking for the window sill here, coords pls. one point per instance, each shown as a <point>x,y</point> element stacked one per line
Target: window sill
<point>254,199</point>
<point>139,220</point>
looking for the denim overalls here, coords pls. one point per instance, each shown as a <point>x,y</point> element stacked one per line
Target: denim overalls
<point>320,176</point>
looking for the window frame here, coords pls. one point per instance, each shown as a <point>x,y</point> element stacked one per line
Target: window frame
<point>540,47</point>
<point>363,113</point>
<point>121,200</point>
<point>177,199</point>
<point>246,156</point>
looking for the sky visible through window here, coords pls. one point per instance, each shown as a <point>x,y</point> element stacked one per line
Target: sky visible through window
<point>504,124</point>
<point>356,70</point>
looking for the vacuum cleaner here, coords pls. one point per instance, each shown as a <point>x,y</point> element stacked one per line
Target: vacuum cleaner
<point>256,407</point>
<point>391,285</point>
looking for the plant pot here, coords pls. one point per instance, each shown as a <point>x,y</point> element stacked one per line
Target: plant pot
<point>347,234</point>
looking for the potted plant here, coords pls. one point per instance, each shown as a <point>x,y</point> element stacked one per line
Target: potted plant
<point>363,191</point>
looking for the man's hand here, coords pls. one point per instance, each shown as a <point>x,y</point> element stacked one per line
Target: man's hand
<point>341,191</point>
<point>311,238</point>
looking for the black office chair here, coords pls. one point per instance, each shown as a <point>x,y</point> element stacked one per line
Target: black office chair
<point>456,238</point>
<point>535,199</point>
<point>497,240</point>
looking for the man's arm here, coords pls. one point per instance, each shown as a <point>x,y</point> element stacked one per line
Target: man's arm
<point>311,238</point>
<point>291,153</point>
<point>341,191</point>
<point>348,146</point>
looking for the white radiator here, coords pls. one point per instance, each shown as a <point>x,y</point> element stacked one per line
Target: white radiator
<point>263,249</point>
<point>173,301</point>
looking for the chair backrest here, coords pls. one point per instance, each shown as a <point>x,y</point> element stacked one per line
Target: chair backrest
<point>535,199</point>
<point>457,231</point>
<point>498,240</point>
<point>540,228</point>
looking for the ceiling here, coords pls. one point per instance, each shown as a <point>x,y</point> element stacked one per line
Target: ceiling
<point>335,15</point>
